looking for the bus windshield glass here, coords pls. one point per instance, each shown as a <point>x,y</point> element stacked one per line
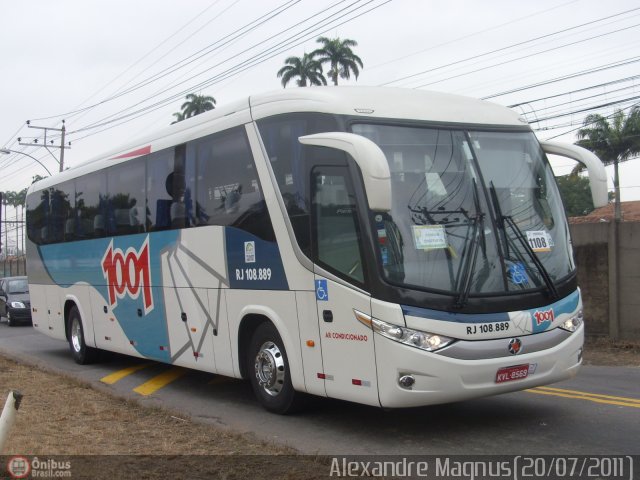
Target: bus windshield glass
<point>473,212</point>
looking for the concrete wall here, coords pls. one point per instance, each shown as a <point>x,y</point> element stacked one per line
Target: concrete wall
<point>629,281</point>
<point>609,276</point>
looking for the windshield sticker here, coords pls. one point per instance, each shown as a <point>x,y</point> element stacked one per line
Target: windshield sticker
<point>518,274</point>
<point>539,240</point>
<point>429,237</point>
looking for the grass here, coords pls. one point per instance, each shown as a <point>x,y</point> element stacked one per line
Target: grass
<point>64,416</point>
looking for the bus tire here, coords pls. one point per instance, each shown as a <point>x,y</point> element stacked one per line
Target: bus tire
<point>268,369</point>
<point>82,354</point>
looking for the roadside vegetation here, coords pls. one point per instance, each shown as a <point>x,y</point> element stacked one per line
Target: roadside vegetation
<point>63,416</point>
<point>306,71</point>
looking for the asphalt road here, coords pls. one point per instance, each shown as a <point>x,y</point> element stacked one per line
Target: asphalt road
<point>598,412</point>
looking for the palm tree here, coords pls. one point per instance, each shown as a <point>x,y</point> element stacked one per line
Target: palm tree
<point>614,141</point>
<point>339,55</point>
<point>195,105</point>
<point>306,68</point>
<point>18,199</point>
<point>179,117</point>
<point>37,178</point>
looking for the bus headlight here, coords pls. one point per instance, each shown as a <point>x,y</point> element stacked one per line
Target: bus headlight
<point>17,305</point>
<point>573,323</point>
<point>414,338</point>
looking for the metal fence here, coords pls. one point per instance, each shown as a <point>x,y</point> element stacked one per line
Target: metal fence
<point>13,266</point>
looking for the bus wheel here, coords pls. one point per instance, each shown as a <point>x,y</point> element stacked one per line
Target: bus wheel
<point>81,353</point>
<point>269,371</point>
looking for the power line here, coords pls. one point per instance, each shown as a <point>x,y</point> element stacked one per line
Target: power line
<point>506,48</point>
<point>584,102</point>
<point>590,123</point>
<point>529,55</point>
<point>138,61</point>
<point>251,62</point>
<point>601,68</point>
<point>596,107</point>
<point>495,27</point>
<point>168,70</point>
<point>204,84</point>
<point>592,87</point>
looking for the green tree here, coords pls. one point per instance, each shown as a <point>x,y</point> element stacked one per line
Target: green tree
<point>179,117</point>
<point>19,198</point>
<point>305,68</point>
<point>338,54</point>
<point>195,105</point>
<point>576,195</point>
<point>614,139</point>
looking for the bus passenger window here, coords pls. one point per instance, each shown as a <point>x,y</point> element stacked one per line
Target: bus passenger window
<point>91,205</point>
<point>227,186</point>
<point>127,197</point>
<point>159,189</point>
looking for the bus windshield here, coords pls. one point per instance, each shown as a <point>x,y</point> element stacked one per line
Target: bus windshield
<point>473,212</point>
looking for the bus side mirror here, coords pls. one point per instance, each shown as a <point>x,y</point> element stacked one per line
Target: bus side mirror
<point>597,173</point>
<point>371,160</point>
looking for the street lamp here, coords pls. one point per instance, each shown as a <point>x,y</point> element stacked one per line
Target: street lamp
<point>7,151</point>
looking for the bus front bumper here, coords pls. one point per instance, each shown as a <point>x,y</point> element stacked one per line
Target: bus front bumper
<point>438,379</point>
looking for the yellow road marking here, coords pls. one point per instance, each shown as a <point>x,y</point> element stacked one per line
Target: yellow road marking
<point>159,381</point>
<point>120,374</point>
<point>597,395</point>
<point>591,397</point>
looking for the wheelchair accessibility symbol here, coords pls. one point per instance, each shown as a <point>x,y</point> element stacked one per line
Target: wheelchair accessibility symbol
<point>518,274</point>
<point>322,292</point>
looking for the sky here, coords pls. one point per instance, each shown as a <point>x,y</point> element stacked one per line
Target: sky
<point>115,70</point>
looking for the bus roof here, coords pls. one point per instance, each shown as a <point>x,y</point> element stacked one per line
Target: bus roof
<point>384,102</point>
<point>372,102</point>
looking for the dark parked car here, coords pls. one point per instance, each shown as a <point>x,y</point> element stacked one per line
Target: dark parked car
<point>14,300</point>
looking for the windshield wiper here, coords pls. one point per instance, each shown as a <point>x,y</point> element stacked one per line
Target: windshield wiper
<point>470,261</point>
<point>544,273</point>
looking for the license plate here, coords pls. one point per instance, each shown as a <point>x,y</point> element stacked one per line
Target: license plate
<point>508,374</point>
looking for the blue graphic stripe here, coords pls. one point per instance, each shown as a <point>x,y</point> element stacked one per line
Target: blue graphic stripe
<point>566,305</point>
<point>454,317</point>
<point>80,262</point>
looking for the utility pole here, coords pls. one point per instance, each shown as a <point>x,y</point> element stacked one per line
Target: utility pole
<point>46,146</point>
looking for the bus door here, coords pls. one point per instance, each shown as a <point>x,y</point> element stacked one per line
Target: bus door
<point>347,345</point>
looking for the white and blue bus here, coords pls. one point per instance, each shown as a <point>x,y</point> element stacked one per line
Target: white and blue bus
<point>391,247</point>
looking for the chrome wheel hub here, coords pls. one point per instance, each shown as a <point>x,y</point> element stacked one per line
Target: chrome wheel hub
<point>75,335</point>
<point>269,368</point>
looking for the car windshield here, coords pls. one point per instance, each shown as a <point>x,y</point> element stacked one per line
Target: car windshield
<point>472,211</point>
<point>18,286</point>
